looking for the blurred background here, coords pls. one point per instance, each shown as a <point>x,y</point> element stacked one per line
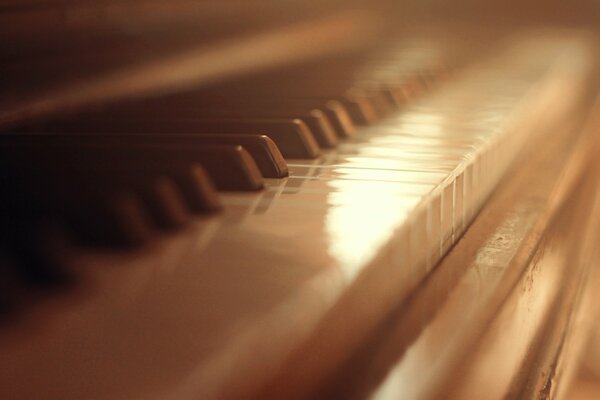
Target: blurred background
<point>49,45</point>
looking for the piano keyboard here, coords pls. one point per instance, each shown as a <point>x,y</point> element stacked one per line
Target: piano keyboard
<point>348,197</point>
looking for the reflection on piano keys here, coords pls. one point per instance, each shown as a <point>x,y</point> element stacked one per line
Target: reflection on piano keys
<point>266,287</point>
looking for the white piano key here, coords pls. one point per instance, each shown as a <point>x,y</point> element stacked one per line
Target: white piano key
<point>400,176</point>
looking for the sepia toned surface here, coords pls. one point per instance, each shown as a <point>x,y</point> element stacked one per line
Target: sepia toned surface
<point>419,219</point>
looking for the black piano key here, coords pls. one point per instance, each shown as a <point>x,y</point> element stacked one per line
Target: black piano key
<point>95,213</point>
<point>315,119</point>
<point>360,103</point>
<point>265,152</point>
<point>159,194</point>
<point>292,136</point>
<point>395,96</point>
<point>199,107</point>
<point>339,118</point>
<point>382,104</point>
<point>115,218</point>
<point>196,187</point>
<point>192,185</point>
<point>164,201</point>
<point>30,259</point>
<point>336,114</point>
<point>361,109</point>
<point>321,127</point>
<point>170,191</point>
<point>191,180</point>
<point>231,167</point>
<point>322,117</point>
<point>99,205</point>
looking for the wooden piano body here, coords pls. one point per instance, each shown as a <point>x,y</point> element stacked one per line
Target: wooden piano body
<point>322,285</point>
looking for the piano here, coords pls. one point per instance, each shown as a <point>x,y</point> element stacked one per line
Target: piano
<point>266,199</point>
